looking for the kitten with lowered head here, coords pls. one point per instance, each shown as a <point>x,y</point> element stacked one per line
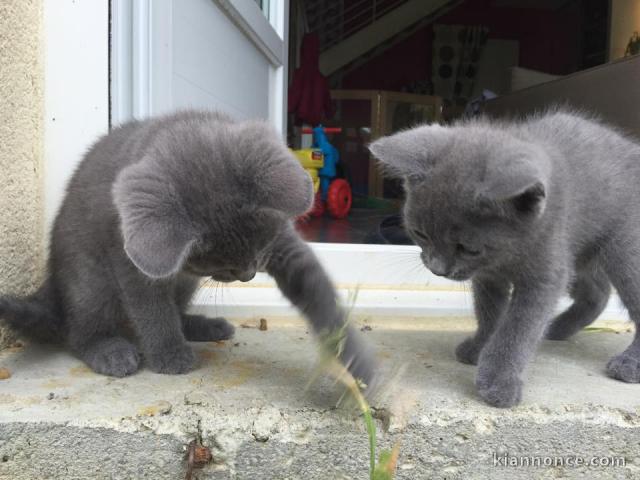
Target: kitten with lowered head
<point>156,205</point>
<point>525,210</point>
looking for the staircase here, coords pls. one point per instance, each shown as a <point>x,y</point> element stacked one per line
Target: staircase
<point>353,32</point>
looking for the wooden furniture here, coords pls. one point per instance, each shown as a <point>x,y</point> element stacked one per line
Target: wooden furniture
<point>383,113</point>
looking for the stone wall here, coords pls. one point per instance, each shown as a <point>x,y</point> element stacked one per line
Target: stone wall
<point>21,148</point>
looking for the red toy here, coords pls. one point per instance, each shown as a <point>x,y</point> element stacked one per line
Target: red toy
<point>333,193</point>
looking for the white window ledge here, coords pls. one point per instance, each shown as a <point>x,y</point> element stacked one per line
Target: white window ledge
<point>389,281</point>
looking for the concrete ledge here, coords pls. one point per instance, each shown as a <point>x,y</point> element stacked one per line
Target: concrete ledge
<point>248,403</point>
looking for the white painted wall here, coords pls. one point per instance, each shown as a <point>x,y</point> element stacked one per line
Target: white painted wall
<point>76,83</point>
<point>215,65</point>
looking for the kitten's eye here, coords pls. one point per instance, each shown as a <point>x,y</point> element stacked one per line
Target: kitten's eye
<point>463,250</point>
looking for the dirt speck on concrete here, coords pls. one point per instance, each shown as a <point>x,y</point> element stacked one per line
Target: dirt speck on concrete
<point>263,324</point>
<point>4,373</point>
<point>207,355</point>
<point>160,408</point>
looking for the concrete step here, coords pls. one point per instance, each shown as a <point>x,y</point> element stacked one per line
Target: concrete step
<point>248,403</point>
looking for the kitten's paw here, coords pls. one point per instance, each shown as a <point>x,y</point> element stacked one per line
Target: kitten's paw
<point>624,367</point>
<point>172,360</point>
<point>503,390</point>
<point>561,329</point>
<point>115,357</point>
<point>359,358</point>
<point>468,351</point>
<point>198,328</point>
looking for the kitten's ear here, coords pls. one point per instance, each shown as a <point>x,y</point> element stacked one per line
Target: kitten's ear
<point>268,223</point>
<point>412,152</point>
<point>158,236</point>
<point>275,177</point>
<point>287,186</point>
<point>521,183</point>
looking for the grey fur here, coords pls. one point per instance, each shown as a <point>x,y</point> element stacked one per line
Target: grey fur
<point>154,206</point>
<point>527,210</point>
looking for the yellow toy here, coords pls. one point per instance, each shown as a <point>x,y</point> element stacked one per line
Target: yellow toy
<point>320,162</point>
<point>311,160</point>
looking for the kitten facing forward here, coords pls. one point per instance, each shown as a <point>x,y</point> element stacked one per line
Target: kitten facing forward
<point>527,211</point>
<point>153,207</point>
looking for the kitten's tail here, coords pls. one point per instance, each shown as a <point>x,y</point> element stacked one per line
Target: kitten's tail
<point>35,316</point>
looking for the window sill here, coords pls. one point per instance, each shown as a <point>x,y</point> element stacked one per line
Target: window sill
<point>373,280</point>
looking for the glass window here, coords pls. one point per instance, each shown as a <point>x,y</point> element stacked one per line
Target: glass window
<point>264,6</point>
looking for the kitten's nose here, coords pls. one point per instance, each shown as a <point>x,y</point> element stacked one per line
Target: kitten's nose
<point>438,267</point>
<point>440,273</point>
<point>246,275</point>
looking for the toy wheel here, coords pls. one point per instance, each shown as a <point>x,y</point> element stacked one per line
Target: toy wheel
<point>339,198</point>
<point>317,210</point>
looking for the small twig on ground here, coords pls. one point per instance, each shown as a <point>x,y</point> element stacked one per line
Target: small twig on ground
<point>197,457</point>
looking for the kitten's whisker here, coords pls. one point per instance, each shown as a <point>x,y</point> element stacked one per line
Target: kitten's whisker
<point>215,298</point>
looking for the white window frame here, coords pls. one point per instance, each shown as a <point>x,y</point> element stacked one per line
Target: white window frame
<point>142,49</point>
<point>388,279</point>
<point>76,90</point>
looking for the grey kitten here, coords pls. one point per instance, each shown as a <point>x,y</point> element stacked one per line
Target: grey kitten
<point>153,207</point>
<point>526,210</point>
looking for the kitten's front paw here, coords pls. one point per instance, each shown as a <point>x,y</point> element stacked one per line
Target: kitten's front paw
<point>468,351</point>
<point>561,329</point>
<point>624,367</point>
<point>198,328</point>
<point>360,360</point>
<point>172,360</point>
<point>115,357</point>
<point>501,390</point>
